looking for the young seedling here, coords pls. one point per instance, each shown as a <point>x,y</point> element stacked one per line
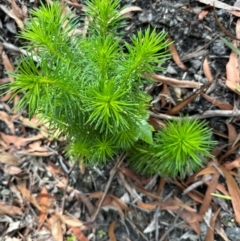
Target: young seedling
<point>179,149</point>
<point>88,87</point>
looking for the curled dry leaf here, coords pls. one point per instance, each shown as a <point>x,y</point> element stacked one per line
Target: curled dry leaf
<point>233,71</point>
<point>232,134</point>
<point>234,193</point>
<point>207,71</point>
<point>175,55</point>
<point>9,210</point>
<point>130,9</point>
<point>147,206</point>
<point>111,233</point>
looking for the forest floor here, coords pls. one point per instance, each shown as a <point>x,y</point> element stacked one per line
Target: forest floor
<point>43,196</point>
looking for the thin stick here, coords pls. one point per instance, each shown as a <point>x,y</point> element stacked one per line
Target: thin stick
<point>112,174</point>
<point>206,114</point>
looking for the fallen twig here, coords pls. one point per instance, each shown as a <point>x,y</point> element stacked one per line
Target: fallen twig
<point>112,174</point>
<point>204,115</point>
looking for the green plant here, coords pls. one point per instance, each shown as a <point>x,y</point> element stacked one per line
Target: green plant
<point>88,87</point>
<point>180,148</point>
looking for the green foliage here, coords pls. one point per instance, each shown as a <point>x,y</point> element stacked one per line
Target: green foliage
<point>88,87</point>
<point>180,148</point>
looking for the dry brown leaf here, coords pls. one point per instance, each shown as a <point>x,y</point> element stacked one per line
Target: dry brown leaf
<point>8,158</point>
<point>145,191</point>
<point>234,193</point>
<point>130,174</point>
<point>233,71</point>
<point>7,63</point>
<point>107,201</point>
<point>181,204</point>
<point>206,171</point>
<point>218,103</point>
<point>26,193</point>
<point>195,195</point>
<point>121,203</point>
<point>232,134</point>
<point>17,11</point>
<point>203,14</point>
<point>175,55</point>
<point>147,206</point>
<point>130,9</point>
<point>19,141</point>
<point>192,219</point>
<point>116,206</point>
<point>77,232</point>
<point>208,194</point>
<point>33,123</point>
<point>18,21</point>
<point>220,188</point>
<point>56,229</point>
<point>45,203</point>
<point>155,123</point>
<point>54,169</point>
<point>210,230</point>
<point>8,120</point>
<point>219,4</point>
<point>9,210</point>
<point>71,222</point>
<point>111,233</point>
<point>233,164</point>
<point>207,71</point>
<point>12,170</point>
